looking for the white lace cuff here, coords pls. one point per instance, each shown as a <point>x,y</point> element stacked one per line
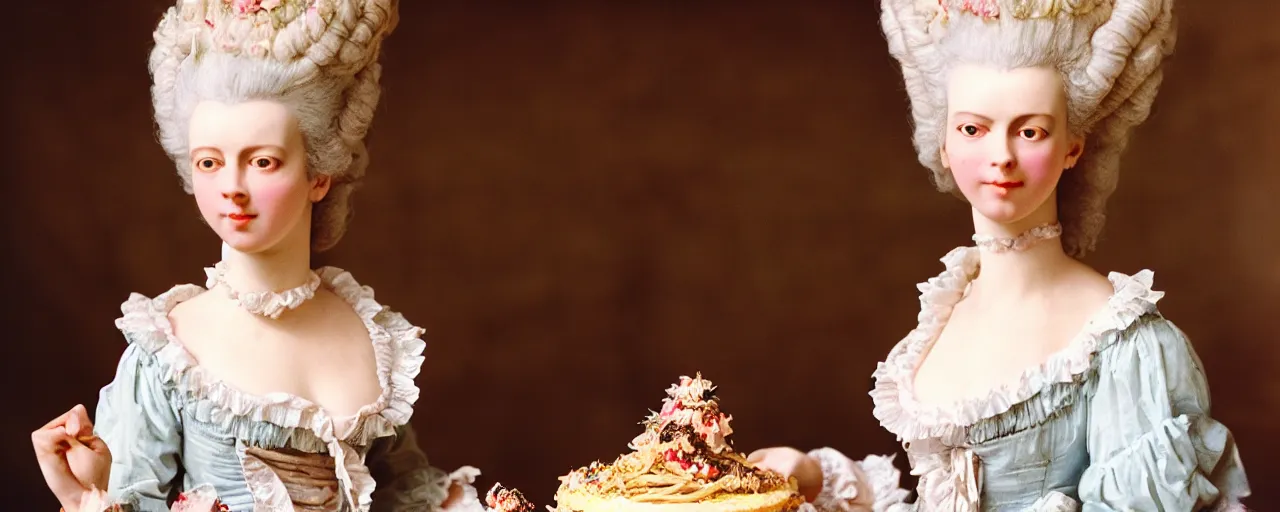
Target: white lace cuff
<point>857,486</point>
<point>464,476</point>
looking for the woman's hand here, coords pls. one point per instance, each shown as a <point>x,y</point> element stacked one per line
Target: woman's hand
<point>456,494</point>
<point>72,459</point>
<point>791,462</point>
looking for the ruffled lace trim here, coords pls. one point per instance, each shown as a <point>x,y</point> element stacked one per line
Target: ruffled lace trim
<point>893,396</point>
<point>869,485</point>
<point>266,303</point>
<point>840,483</point>
<point>470,501</point>
<point>885,480</point>
<point>397,346</point>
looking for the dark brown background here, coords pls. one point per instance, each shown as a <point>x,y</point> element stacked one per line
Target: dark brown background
<point>582,202</point>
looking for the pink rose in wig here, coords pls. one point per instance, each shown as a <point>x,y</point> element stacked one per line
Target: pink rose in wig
<point>252,6</point>
<point>244,6</point>
<point>984,8</point>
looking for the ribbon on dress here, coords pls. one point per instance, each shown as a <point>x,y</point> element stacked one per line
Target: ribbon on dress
<point>950,480</point>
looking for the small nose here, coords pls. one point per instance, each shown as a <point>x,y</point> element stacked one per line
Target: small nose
<point>1002,157</point>
<point>237,198</point>
<point>231,181</point>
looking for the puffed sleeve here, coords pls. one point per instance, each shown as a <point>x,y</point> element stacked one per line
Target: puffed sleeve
<point>404,480</point>
<point>867,485</point>
<point>1152,443</point>
<point>138,419</point>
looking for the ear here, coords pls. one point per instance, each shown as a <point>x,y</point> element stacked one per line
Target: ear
<point>319,187</point>
<point>942,153</point>
<point>1077,149</point>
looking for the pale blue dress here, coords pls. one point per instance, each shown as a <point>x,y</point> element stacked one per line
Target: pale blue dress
<point>1117,421</point>
<point>171,426</point>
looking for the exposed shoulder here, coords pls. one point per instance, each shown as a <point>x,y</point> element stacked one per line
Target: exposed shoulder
<point>197,314</point>
<point>1089,289</point>
<point>192,307</point>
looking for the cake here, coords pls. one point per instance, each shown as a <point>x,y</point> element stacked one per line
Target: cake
<point>683,461</point>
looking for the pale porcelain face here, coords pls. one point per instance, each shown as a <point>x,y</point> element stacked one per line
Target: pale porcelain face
<point>249,174</point>
<point>1007,141</point>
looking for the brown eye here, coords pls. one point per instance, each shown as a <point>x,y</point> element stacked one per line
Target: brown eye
<point>265,163</point>
<point>1033,133</point>
<point>970,130</point>
<point>207,164</point>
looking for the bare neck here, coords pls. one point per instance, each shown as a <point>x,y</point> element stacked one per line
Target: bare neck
<point>1015,274</point>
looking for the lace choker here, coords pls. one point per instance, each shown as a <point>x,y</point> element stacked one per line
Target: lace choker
<point>1021,242</point>
<point>266,303</point>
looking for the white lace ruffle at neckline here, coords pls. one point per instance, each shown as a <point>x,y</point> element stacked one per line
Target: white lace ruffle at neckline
<point>397,346</point>
<point>267,303</point>
<point>895,405</point>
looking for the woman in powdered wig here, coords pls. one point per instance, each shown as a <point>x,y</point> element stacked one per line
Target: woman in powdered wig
<point>1033,382</point>
<point>280,387</point>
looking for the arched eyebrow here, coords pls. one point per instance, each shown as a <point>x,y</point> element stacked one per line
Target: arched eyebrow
<point>260,147</point>
<point>980,117</point>
<point>1019,119</point>
<point>243,152</point>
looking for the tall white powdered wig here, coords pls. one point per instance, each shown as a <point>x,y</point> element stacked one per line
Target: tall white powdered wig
<point>317,57</point>
<point>1109,53</point>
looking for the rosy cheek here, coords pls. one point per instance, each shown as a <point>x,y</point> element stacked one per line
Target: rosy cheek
<point>967,162</point>
<point>205,190</point>
<point>1037,162</point>
<point>275,195</point>
<point>268,196</point>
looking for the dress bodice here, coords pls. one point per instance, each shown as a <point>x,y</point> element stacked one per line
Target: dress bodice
<point>1120,416</point>
<point>171,425</point>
